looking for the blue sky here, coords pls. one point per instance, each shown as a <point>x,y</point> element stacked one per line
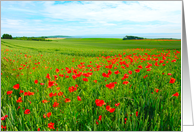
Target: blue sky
<point>42,18</point>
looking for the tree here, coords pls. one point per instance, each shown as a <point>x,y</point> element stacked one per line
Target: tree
<point>132,37</point>
<point>6,36</point>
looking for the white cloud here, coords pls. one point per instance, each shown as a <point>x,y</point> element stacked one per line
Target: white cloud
<point>103,11</point>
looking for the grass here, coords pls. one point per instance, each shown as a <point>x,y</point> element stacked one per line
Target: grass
<point>146,102</point>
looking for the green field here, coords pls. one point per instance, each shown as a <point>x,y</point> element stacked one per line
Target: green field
<point>139,82</point>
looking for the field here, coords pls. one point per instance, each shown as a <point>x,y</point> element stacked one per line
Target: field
<point>91,84</point>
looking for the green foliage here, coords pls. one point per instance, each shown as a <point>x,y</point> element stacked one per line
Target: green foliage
<point>6,36</point>
<point>23,62</point>
<point>132,37</point>
<point>32,38</point>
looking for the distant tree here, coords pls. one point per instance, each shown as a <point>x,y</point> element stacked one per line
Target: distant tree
<point>6,36</point>
<point>131,37</point>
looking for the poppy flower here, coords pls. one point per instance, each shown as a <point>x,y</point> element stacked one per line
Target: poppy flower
<point>19,100</point>
<point>172,80</point>
<point>60,93</point>
<point>9,92</point>
<point>110,85</point>
<point>45,101</point>
<point>176,94</point>
<point>36,81</point>
<point>27,111</point>
<point>100,118</point>
<point>95,81</point>
<point>169,74</point>
<point>125,82</point>
<point>3,118</point>
<point>137,70</point>
<point>38,129</point>
<point>67,100</point>
<point>97,123</point>
<point>117,104</point>
<point>51,83</point>
<point>16,87</point>
<point>136,113</point>
<point>51,125</point>
<point>55,104</point>
<point>21,91</point>
<point>130,72</point>
<point>72,89</point>
<point>41,83</point>
<point>99,102</point>
<point>156,90</point>
<point>140,67</point>
<point>78,98</point>
<point>111,110</point>
<point>57,70</point>
<point>116,72</point>
<point>145,76</point>
<point>85,79</point>
<point>49,114</point>
<point>3,127</point>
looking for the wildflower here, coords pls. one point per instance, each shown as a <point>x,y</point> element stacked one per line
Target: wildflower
<point>27,111</point>
<point>16,87</point>
<point>51,125</point>
<point>36,81</point>
<point>172,80</point>
<point>99,102</point>
<point>78,98</point>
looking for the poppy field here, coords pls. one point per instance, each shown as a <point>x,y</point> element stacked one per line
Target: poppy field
<point>90,85</point>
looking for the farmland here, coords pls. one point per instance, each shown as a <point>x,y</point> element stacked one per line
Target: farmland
<point>91,84</point>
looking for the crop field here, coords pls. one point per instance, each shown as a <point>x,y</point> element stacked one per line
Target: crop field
<point>90,84</point>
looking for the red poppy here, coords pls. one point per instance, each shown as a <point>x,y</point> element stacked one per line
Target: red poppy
<point>169,74</point>
<point>137,70</point>
<point>130,72</point>
<point>67,100</point>
<point>172,80</point>
<point>125,82</point>
<point>51,94</point>
<point>51,125</point>
<point>95,81</point>
<point>36,81</point>
<point>19,100</point>
<point>49,114</point>
<point>3,118</point>
<point>60,93</point>
<point>9,92</point>
<point>156,90</point>
<point>145,76</point>
<point>110,85</point>
<point>111,110</point>
<point>136,113</point>
<point>21,91</point>
<point>38,129</point>
<point>117,104</point>
<point>97,123</point>
<point>85,79</point>
<point>176,94</point>
<point>45,101</point>
<point>140,67</point>
<point>99,102</point>
<point>78,98</point>
<point>55,104</point>
<point>100,118</point>
<point>3,127</point>
<point>16,87</point>
<point>27,111</point>
<point>51,83</point>
<point>116,72</point>
<point>57,70</point>
<point>72,89</point>
<point>41,83</point>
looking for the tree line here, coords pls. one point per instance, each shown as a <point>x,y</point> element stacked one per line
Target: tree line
<point>8,36</point>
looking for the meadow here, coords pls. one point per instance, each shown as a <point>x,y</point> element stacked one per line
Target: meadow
<point>90,84</point>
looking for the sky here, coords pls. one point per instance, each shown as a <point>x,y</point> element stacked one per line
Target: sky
<point>71,18</point>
